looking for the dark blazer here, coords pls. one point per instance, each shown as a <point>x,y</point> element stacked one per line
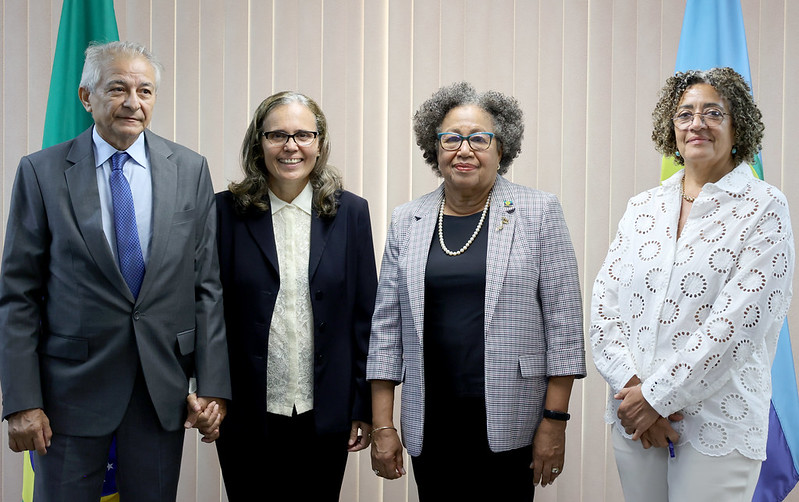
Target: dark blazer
<point>71,334</point>
<point>343,282</point>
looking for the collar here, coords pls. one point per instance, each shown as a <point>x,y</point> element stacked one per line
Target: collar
<point>103,151</point>
<point>303,201</point>
<point>734,181</point>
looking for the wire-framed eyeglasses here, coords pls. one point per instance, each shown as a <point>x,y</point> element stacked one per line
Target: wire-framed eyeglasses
<point>710,118</point>
<point>478,141</point>
<point>280,138</point>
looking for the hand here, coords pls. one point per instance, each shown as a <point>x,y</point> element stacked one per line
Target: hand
<point>387,454</point>
<point>360,441</point>
<point>29,430</point>
<point>206,415</point>
<point>660,433</point>
<point>635,413</point>
<point>549,447</point>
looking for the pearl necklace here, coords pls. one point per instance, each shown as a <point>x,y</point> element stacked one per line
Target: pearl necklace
<point>687,198</point>
<point>474,234</point>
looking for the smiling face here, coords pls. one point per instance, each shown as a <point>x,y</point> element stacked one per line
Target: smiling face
<point>289,165</point>
<point>466,172</point>
<point>702,146</point>
<point>123,100</point>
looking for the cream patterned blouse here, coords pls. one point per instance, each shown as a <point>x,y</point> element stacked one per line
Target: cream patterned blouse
<point>697,318</point>
<point>289,363</point>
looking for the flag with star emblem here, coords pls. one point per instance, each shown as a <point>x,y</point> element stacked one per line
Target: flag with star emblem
<point>713,36</point>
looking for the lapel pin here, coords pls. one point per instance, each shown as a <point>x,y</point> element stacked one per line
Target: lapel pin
<point>504,222</point>
<point>509,207</point>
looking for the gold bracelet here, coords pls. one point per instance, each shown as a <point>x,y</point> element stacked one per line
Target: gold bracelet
<point>382,428</point>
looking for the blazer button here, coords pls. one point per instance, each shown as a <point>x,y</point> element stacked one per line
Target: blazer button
<point>319,295</point>
<point>136,316</point>
<point>322,326</point>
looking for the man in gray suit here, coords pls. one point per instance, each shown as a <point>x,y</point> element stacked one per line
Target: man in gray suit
<point>109,294</point>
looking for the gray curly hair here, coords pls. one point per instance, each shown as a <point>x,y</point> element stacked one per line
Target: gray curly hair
<point>504,110</point>
<point>747,123</point>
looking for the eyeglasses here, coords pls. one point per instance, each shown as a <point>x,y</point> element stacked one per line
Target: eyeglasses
<point>280,138</point>
<point>477,141</point>
<point>710,118</point>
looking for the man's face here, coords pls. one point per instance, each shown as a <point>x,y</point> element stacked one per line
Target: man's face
<point>122,103</point>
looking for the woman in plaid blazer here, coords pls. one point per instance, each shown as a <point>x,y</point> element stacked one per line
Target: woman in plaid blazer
<point>478,314</point>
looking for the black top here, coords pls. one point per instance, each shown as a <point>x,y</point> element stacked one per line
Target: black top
<point>455,311</point>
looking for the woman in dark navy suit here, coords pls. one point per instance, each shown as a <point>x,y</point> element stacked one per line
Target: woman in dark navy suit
<point>298,272</point>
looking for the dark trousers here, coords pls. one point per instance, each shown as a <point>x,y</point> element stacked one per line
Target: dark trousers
<point>148,459</point>
<point>282,459</point>
<point>456,462</point>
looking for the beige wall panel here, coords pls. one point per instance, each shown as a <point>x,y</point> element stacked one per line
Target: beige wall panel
<point>401,145</point>
<point>428,18</point>
<point>187,75</point>
<point>212,86</point>
<point>647,84</point>
<point>573,176</point>
<point>162,43</point>
<point>237,112</point>
<point>354,90</point>
<point>549,108</point>
<point>599,230</point>
<point>259,68</point>
<point>526,67</point>
<point>40,51</point>
<point>371,179</point>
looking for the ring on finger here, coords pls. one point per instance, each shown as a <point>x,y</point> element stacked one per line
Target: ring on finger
<point>377,473</point>
<point>555,470</point>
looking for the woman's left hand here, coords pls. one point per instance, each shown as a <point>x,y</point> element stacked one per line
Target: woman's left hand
<point>360,441</point>
<point>549,446</point>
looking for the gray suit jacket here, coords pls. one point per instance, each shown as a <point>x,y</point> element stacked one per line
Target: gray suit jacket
<point>71,334</point>
<point>533,312</point>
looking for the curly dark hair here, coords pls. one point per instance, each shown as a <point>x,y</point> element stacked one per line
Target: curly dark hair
<point>747,124</point>
<point>504,110</point>
<point>251,194</point>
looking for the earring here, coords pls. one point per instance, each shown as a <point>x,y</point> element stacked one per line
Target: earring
<point>734,150</point>
<point>677,153</point>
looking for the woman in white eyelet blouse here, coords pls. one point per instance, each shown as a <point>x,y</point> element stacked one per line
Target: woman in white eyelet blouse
<point>689,302</point>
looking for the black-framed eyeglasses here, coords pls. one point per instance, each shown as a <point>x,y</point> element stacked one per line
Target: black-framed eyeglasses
<point>710,118</point>
<point>478,141</point>
<point>280,138</point>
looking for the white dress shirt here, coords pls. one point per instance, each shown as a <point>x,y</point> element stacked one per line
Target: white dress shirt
<point>697,318</point>
<point>289,366</point>
<point>137,172</point>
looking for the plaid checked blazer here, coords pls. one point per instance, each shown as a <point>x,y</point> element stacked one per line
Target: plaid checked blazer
<point>533,312</point>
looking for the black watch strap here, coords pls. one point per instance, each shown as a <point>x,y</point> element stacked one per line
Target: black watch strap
<point>557,415</point>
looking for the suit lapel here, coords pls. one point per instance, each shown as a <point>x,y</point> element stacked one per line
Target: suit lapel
<point>81,179</point>
<point>164,175</point>
<point>419,235</point>
<point>502,225</point>
<point>320,231</point>
<point>263,233</point>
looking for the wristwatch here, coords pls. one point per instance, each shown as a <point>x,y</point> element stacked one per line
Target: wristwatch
<point>557,415</point>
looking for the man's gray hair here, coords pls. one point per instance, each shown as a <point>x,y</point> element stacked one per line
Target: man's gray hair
<point>98,56</point>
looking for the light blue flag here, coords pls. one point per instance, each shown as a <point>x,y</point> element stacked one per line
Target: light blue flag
<point>713,36</point>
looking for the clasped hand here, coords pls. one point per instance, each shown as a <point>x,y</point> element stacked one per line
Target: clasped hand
<point>206,415</point>
<point>641,420</point>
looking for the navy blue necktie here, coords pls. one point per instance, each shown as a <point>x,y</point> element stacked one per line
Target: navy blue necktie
<point>131,262</point>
